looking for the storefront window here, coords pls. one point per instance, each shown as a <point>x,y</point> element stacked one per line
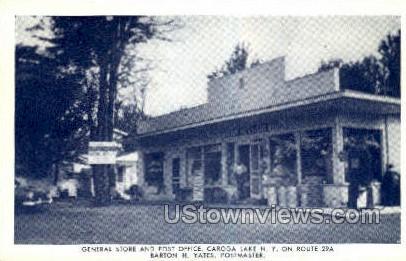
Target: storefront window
<point>154,174</point>
<point>316,153</point>
<point>283,156</point>
<point>206,159</point>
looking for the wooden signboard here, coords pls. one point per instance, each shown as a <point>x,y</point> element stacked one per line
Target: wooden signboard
<point>103,152</point>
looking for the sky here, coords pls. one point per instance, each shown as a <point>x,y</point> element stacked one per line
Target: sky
<point>205,42</point>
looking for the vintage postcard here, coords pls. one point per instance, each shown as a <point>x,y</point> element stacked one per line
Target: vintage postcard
<point>219,137</point>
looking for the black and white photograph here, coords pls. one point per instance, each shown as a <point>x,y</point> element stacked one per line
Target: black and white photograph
<point>190,136</point>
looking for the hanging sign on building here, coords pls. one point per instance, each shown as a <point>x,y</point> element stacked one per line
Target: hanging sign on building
<point>103,152</point>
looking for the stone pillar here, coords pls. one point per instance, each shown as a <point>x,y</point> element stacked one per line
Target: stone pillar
<point>298,158</point>
<point>272,196</point>
<point>282,196</point>
<point>336,194</point>
<point>291,196</point>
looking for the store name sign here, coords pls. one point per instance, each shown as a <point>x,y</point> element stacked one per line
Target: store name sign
<point>239,131</point>
<point>103,152</point>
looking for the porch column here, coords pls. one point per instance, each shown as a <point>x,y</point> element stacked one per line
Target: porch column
<point>224,174</point>
<point>183,169</point>
<point>167,172</point>
<point>336,194</point>
<point>338,147</point>
<point>140,169</point>
<point>298,157</point>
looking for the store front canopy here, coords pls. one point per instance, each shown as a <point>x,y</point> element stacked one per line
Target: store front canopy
<point>345,101</point>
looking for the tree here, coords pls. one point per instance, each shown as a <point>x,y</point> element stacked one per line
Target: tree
<point>331,64</point>
<point>47,121</point>
<point>100,45</point>
<point>371,74</point>
<point>236,63</point>
<point>365,75</point>
<point>133,84</point>
<point>389,49</point>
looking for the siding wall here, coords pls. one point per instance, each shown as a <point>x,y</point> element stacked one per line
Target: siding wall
<point>260,85</point>
<point>265,86</point>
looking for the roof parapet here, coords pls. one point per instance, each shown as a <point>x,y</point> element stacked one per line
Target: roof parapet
<point>265,87</point>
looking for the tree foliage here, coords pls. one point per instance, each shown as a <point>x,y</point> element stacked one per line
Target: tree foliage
<point>376,75</point>
<point>48,122</point>
<point>389,49</point>
<point>68,94</point>
<point>236,63</point>
<point>107,44</point>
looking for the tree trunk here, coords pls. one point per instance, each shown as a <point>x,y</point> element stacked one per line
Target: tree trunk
<point>104,175</point>
<point>101,172</point>
<point>101,184</point>
<point>112,92</point>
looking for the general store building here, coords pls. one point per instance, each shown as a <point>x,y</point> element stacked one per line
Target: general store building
<point>291,134</point>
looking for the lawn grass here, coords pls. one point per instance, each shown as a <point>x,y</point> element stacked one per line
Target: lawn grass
<point>142,224</point>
